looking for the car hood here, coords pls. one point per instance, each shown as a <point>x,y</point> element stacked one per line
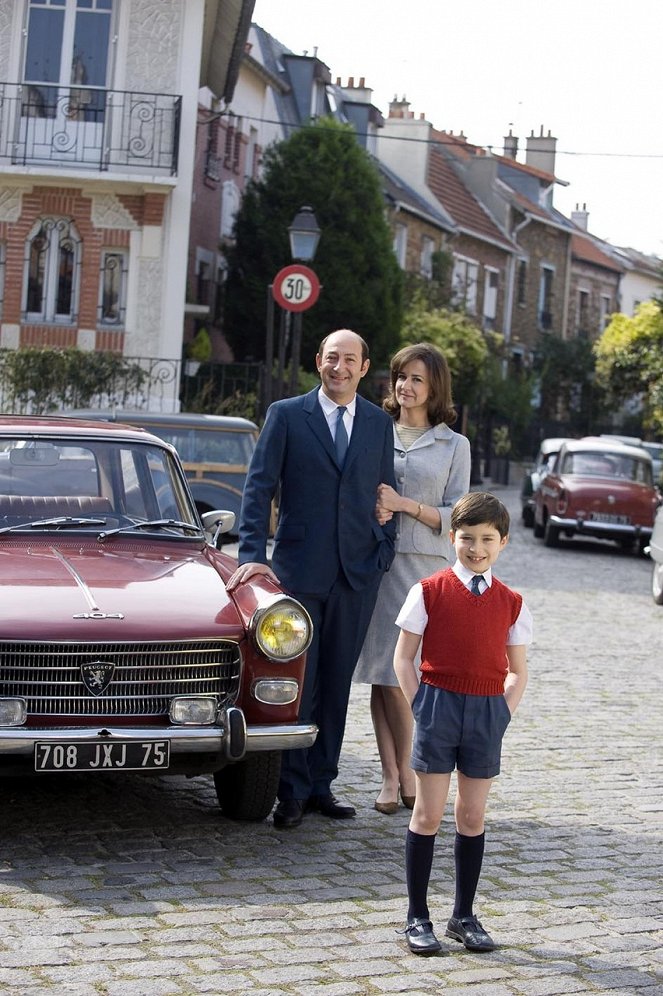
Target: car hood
<point>89,592</point>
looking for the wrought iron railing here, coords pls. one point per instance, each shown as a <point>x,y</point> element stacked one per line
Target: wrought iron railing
<point>89,128</point>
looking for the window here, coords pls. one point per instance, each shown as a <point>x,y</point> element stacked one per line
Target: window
<point>546,298</point>
<point>67,59</point>
<point>52,272</point>
<point>521,283</point>
<point>606,310</point>
<point>427,250</point>
<point>251,162</point>
<point>400,244</point>
<point>2,277</point>
<point>233,144</point>
<point>464,284</point>
<point>230,198</point>
<point>582,316</point>
<point>211,154</point>
<point>113,287</point>
<point>491,284</point>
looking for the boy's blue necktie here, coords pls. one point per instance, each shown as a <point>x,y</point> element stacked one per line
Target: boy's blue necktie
<point>340,436</point>
<point>474,585</point>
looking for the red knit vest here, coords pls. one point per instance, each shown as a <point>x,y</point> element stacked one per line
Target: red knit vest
<point>464,643</point>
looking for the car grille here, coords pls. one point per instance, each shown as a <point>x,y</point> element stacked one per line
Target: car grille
<point>145,676</point>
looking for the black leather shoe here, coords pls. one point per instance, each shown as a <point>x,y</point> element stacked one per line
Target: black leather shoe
<point>328,805</point>
<point>289,813</point>
<point>420,937</point>
<point>469,932</point>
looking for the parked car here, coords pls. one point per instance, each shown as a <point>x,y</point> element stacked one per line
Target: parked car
<point>656,553</point>
<point>215,451</point>
<point>120,648</point>
<point>543,461</point>
<point>597,487</point>
<point>655,451</point>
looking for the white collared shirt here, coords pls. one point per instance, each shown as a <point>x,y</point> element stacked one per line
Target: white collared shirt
<point>330,408</point>
<point>414,618</point>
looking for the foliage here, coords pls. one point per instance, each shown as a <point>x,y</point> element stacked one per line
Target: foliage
<point>200,347</point>
<point>501,440</point>
<point>40,381</point>
<point>569,398</point>
<point>460,340</point>
<point>629,361</point>
<point>434,292</point>
<point>322,166</point>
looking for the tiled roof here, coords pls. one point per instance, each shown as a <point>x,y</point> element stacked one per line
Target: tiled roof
<point>398,190</point>
<point>587,251</point>
<point>463,207</point>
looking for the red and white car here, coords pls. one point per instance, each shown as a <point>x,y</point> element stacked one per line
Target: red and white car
<point>120,648</point>
<point>600,488</point>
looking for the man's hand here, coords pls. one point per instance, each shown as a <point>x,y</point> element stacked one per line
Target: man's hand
<point>388,499</point>
<point>246,571</point>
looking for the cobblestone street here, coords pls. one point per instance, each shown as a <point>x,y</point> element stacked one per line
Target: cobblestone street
<point>125,886</point>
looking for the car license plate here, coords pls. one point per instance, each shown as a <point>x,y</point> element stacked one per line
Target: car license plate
<point>103,755</point>
<point>616,520</point>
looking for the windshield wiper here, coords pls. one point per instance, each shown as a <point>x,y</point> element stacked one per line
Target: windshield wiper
<point>58,522</point>
<point>149,524</point>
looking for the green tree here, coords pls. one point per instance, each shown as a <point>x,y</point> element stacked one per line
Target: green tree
<point>629,361</point>
<point>321,165</point>
<point>570,401</point>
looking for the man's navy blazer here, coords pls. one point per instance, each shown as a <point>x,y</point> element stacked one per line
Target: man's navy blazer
<point>326,514</point>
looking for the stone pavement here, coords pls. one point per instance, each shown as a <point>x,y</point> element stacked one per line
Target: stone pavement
<point>131,887</point>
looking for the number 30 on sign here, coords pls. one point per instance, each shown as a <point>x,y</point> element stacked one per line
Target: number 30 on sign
<point>295,287</point>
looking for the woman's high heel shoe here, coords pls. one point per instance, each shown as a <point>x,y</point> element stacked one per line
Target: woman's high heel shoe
<point>388,808</point>
<point>408,801</point>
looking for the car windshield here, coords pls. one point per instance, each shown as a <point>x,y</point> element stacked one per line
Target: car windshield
<point>587,463</point>
<point>66,483</point>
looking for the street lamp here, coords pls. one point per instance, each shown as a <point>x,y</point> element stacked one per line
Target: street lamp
<point>304,235</point>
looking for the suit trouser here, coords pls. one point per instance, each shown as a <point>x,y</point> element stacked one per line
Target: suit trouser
<point>340,621</point>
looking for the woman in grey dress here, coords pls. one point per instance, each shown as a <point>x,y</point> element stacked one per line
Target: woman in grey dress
<point>432,466</point>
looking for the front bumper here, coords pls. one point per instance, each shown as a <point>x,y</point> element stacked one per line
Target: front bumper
<point>607,530</point>
<point>227,741</point>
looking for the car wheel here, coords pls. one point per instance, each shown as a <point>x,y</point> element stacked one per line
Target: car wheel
<point>247,789</point>
<point>550,534</point>
<point>528,518</point>
<point>657,583</point>
<point>538,530</point>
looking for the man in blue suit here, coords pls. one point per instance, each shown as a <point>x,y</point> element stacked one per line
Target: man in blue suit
<point>325,453</point>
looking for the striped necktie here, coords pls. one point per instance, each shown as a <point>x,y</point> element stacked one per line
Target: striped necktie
<point>340,436</point>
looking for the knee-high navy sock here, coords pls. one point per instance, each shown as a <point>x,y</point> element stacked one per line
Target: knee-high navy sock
<point>418,863</point>
<point>468,855</point>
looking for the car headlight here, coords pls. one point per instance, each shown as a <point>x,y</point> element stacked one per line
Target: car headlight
<point>282,628</point>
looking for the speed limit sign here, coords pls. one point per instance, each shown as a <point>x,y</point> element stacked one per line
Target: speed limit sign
<point>295,287</point>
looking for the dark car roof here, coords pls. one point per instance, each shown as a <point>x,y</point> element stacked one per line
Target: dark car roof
<point>192,419</point>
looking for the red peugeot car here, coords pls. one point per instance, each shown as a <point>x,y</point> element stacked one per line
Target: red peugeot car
<point>600,488</point>
<point>120,648</point>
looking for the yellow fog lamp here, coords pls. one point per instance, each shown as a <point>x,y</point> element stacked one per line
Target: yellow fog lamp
<point>282,628</point>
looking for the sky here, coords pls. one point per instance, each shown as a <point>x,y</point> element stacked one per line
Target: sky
<point>588,71</point>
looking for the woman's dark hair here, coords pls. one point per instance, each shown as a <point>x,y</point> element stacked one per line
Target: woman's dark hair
<point>440,403</point>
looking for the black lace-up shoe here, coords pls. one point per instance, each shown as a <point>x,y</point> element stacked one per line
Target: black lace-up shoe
<point>328,805</point>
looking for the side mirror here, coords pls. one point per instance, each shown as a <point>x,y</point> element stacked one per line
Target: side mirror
<point>216,523</point>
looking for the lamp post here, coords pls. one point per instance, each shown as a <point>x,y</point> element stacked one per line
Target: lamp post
<point>304,235</point>
<point>294,291</point>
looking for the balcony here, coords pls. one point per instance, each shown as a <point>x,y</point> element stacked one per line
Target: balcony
<point>89,128</point>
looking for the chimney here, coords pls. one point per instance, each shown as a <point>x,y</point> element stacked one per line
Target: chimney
<point>541,151</point>
<point>580,217</point>
<point>510,146</point>
<point>399,108</point>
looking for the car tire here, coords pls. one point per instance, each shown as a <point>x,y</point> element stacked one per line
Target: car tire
<point>657,583</point>
<point>550,535</point>
<point>528,518</point>
<point>538,530</point>
<point>247,789</point>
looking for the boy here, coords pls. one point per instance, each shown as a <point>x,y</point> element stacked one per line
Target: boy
<point>474,633</point>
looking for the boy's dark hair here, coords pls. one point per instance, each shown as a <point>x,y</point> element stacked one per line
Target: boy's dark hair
<point>480,506</point>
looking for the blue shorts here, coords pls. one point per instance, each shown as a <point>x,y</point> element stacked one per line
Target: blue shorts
<point>454,730</point>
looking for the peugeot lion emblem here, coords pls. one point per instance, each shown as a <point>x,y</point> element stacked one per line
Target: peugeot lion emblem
<point>97,676</point>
